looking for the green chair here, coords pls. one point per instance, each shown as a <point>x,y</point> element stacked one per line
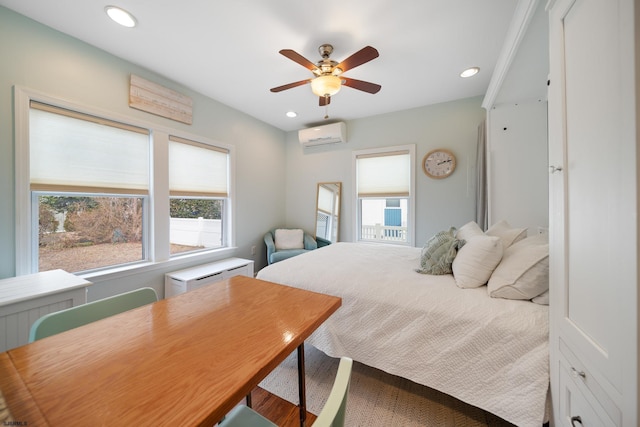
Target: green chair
<point>332,414</point>
<point>275,255</point>
<point>60,321</point>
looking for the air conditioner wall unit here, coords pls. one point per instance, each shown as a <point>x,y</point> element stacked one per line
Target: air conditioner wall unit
<point>334,133</point>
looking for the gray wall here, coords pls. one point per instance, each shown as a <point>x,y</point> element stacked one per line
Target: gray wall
<point>440,204</point>
<point>39,58</point>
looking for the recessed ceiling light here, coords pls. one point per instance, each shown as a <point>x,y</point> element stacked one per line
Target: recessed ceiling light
<point>469,72</point>
<point>292,114</point>
<point>121,16</point>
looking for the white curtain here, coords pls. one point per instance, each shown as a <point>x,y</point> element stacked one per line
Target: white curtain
<point>197,169</point>
<point>384,174</point>
<point>70,151</point>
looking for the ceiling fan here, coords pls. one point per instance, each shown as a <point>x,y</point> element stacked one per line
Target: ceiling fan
<point>328,73</point>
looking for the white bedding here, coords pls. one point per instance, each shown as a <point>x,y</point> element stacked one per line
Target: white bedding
<point>489,352</point>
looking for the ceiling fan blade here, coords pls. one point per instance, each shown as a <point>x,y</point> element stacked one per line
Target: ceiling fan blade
<point>325,100</point>
<point>290,85</point>
<point>361,85</point>
<point>365,54</point>
<point>296,57</point>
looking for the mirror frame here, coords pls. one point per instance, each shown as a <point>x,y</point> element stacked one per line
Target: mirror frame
<point>334,215</point>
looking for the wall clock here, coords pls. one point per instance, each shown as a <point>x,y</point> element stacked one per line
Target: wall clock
<point>439,163</point>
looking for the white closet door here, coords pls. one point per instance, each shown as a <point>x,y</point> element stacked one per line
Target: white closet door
<point>593,199</point>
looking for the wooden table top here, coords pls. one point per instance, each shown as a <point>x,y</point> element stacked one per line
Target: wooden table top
<point>185,360</point>
<point>15,398</point>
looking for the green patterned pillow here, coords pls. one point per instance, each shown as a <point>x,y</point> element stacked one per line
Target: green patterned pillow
<point>438,254</point>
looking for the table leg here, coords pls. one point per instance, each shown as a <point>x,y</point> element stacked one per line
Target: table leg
<point>301,386</point>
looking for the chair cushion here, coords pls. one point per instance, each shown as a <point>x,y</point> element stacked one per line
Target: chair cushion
<point>242,416</point>
<point>289,239</point>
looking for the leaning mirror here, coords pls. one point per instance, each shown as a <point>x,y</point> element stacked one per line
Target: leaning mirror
<point>327,212</point>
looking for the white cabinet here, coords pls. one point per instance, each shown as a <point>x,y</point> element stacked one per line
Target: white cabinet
<point>593,206</point>
<point>178,282</point>
<point>24,299</point>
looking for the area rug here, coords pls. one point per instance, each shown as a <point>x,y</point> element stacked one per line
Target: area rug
<point>375,397</point>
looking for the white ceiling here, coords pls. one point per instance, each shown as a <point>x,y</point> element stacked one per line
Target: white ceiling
<point>228,50</point>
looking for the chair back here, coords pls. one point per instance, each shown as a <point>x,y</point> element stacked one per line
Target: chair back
<point>60,321</point>
<point>332,414</point>
<point>334,411</point>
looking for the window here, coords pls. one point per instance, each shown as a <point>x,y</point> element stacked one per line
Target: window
<point>97,192</point>
<point>385,194</point>
<point>198,186</point>
<point>89,182</point>
<point>80,232</point>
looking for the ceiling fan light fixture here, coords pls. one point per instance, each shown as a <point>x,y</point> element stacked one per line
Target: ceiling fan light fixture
<point>121,16</point>
<point>326,85</point>
<point>469,72</point>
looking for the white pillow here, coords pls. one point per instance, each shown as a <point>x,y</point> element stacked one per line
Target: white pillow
<point>542,299</point>
<point>468,231</point>
<point>523,272</point>
<point>476,260</point>
<point>289,239</point>
<point>508,234</point>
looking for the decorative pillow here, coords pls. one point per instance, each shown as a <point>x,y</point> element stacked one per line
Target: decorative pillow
<point>289,239</point>
<point>469,230</point>
<point>508,234</point>
<point>476,260</point>
<point>439,252</point>
<point>524,270</point>
<point>542,299</point>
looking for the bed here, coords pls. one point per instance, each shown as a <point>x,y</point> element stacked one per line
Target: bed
<point>489,352</point>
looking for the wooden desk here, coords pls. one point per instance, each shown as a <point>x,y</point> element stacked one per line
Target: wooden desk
<point>186,360</point>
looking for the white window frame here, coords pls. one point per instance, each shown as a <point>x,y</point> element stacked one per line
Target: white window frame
<point>411,229</point>
<point>158,249</point>
<point>201,194</point>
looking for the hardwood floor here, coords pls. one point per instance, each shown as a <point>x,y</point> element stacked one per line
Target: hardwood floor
<point>278,410</point>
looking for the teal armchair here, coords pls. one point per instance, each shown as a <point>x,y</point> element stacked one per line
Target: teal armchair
<point>274,254</point>
<point>322,242</point>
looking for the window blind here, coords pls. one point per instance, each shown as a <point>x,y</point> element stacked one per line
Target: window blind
<point>71,151</point>
<point>384,174</point>
<point>197,169</point>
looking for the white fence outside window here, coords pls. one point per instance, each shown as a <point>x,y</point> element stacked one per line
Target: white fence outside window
<point>196,232</point>
<point>383,233</point>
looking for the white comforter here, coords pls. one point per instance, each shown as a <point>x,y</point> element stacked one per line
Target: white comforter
<point>491,353</point>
